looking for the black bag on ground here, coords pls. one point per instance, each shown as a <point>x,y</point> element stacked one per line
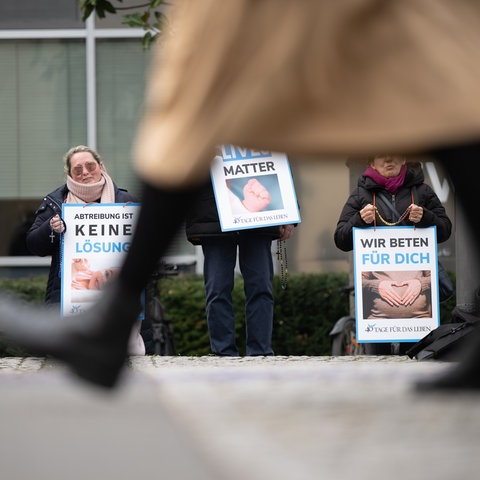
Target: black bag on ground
<point>445,342</point>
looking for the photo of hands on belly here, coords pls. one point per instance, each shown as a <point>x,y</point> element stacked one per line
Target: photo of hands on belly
<point>397,294</point>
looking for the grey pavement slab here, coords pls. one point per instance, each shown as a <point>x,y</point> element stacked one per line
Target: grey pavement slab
<point>56,428</point>
<point>231,418</point>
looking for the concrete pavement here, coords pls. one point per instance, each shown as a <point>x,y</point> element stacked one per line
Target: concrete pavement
<point>183,418</point>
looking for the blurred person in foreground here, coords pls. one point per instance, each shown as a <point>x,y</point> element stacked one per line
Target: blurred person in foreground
<point>306,77</point>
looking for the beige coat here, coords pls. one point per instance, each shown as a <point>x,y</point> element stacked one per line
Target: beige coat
<point>349,77</point>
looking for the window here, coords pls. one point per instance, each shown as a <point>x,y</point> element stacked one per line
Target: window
<point>46,107</point>
<point>42,93</point>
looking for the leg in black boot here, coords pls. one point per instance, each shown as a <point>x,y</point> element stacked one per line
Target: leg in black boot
<point>466,374</point>
<point>94,344</point>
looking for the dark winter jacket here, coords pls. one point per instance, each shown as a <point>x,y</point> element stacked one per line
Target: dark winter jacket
<point>433,211</point>
<point>39,240</point>
<point>203,221</point>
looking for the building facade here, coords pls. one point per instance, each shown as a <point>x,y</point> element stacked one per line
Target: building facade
<point>65,82</point>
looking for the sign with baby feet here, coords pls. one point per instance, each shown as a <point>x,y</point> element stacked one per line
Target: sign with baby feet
<point>253,188</point>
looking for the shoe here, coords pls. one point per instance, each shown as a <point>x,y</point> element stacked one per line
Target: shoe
<point>94,344</point>
<point>136,345</point>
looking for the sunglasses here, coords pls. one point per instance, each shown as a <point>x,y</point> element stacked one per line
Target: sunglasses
<point>90,166</point>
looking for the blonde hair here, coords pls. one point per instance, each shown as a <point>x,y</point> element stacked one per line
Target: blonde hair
<point>79,148</point>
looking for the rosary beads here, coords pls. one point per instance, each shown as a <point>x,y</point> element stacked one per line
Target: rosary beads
<point>282,258</point>
<point>400,220</point>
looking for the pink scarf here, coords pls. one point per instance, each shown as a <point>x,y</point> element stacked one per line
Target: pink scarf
<point>390,184</point>
<point>103,190</point>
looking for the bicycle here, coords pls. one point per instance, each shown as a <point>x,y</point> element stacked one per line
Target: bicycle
<point>344,334</point>
<point>344,337</point>
<point>163,339</point>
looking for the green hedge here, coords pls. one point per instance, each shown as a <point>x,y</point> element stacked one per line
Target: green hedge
<point>305,311</point>
<point>31,289</point>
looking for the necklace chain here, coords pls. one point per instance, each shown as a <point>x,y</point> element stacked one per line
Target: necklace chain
<point>400,220</point>
<point>282,258</point>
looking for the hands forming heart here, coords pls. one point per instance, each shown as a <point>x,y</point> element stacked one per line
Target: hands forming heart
<point>400,293</point>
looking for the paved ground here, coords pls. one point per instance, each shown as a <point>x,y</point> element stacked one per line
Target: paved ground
<point>183,418</point>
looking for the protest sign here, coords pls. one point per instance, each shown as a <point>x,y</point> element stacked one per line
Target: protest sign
<point>396,283</point>
<point>97,238</point>
<point>253,188</point>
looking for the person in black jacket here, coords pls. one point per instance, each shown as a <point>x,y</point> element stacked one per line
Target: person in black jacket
<point>401,183</point>
<point>87,181</point>
<point>254,247</point>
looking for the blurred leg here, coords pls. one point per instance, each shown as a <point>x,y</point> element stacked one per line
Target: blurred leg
<point>456,160</point>
<point>94,344</point>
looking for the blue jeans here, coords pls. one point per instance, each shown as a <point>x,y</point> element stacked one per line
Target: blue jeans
<point>256,267</point>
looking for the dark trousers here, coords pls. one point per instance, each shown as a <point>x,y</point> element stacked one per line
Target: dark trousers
<point>256,267</point>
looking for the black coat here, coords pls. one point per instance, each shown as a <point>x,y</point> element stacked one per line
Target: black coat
<point>433,211</point>
<point>39,242</point>
<point>203,222</point>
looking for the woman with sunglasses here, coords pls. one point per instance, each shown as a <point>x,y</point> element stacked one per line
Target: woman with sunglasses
<point>87,181</point>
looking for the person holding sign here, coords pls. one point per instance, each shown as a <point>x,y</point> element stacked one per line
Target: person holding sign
<point>87,181</point>
<point>390,184</point>
<point>220,249</point>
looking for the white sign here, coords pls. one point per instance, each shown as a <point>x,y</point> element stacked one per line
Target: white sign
<point>396,283</point>
<point>253,189</point>
<point>96,239</point>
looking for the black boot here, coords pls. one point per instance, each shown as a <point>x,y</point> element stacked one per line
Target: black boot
<point>93,344</point>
